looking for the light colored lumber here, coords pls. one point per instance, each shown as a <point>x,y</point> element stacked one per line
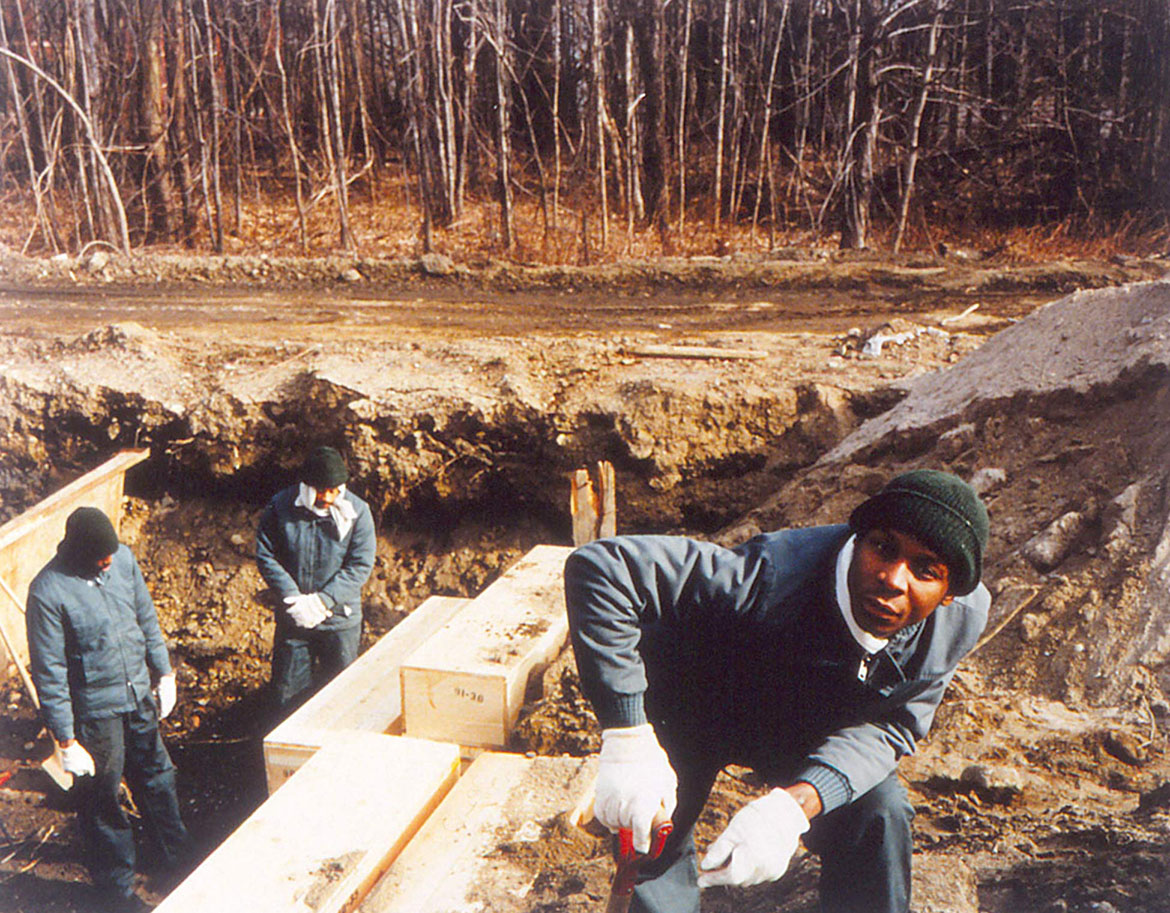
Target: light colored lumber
<point>607,498</point>
<point>704,352</point>
<point>364,697</point>
<point>583,508</point>
<point>322,840</point>
<point>29,540</point>
<point>466,683</point>
<point>457,862</point>
<point>593,506</point>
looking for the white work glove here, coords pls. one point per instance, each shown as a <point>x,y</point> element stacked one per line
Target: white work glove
<point>166,693</point>
<point>635,783</point>
<point>76,760</point>
<point>758,844</point>
<point>306,611</point>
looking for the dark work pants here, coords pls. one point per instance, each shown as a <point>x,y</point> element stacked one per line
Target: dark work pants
<point>301,654</point>
<point>127,745</point>
<point>864,847</point>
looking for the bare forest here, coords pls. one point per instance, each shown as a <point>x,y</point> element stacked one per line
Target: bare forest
<point>570,130</point>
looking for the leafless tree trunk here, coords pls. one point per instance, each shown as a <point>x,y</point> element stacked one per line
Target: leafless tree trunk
<point>721,115</point>
<point>294,152</point>
<point>861,124</point>
<point>216,116</point>
<point>556,115</point>
<point>598,74</point>
<point>332,107</point>
<point>765,158</point>
<point>916,124</point>
<point>503,144</point>
<point>680,143</point>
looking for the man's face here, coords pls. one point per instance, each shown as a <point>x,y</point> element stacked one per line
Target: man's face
<point>103,564</point>
<point>895,581</point>
<point>326,497</point>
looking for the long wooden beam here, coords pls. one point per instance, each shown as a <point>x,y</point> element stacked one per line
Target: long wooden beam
<point>455,862</point>
<point>467,682</point>
<point>320,843</point>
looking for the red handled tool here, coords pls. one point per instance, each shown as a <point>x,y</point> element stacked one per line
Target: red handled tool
<point>629,861</point>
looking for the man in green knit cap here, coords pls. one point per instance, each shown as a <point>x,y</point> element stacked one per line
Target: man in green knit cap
<point>315,549</point>
<point>816,657</point>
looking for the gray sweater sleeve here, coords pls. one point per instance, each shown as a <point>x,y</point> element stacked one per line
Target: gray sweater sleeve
<point>614,587</point>
<point>50,672</point>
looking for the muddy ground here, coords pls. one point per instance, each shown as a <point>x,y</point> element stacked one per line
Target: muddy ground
<point>464,398</point>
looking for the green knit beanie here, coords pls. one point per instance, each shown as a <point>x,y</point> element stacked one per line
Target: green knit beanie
<point>940,510</point>
<point>89,536</point>
<point>324,469</point>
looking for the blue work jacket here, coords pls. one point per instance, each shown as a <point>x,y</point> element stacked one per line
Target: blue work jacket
<point>93,641</point>
<point>299,552</point>
<point>743,654</point>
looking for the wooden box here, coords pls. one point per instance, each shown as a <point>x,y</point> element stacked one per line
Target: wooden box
<point>365,697</point>
<point>467,682</point>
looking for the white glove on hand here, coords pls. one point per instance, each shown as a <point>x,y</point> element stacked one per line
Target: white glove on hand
<point>167,693</point>
<point>634,781</point>
<point>306,611</point>
<point>758,844</point>
<point>76,760</point>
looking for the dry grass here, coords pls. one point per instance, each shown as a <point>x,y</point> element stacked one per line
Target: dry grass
<point>386,221</point>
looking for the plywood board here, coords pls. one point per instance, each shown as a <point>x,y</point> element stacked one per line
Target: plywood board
<point>467,682</point>
<point>29,540</point>
<point>470,855</point>
<point>324,839</point>
<point>365,697</point>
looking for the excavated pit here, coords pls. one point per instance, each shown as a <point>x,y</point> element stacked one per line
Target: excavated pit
<point>465,447</point>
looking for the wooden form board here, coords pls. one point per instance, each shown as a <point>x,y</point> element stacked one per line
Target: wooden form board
<point>364,697</point>
<point>324,839</point>
<point>29,540</point>
<point>467,682</point>
<point>455,862</point>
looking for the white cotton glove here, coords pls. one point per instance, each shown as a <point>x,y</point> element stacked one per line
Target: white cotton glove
<point>306,611</point>
<point>758,844</point>
<point>76,760</point>
<point>166,693</point>
<point>635,783</point>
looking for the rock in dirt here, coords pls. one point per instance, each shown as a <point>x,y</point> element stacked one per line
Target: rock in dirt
<point>1051,547</point>
<point>944,884</point>
<point>992,782</point>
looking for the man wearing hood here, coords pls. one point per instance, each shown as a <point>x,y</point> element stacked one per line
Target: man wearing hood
<point>97,653</point>
<point>315,549</point>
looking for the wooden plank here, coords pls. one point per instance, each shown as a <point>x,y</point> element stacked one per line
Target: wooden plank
<point>583,508</point>
<point>457,861</point>
<point>702,352</point>
<point>466,684</point>
<point>593,504</point>
<point>364,697</point>
<point>607,498</point>
<point>325,838</point>
<point>29,540</point>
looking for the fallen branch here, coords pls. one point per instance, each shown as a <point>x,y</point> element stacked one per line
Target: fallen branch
<point>955,318</point>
